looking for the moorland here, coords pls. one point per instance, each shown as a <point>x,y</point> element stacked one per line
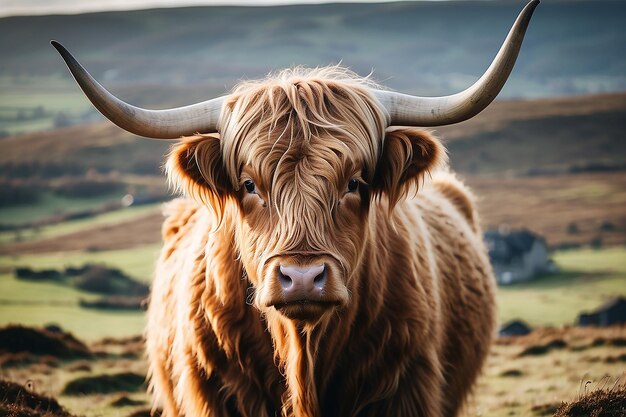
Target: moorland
<point>80,198</point>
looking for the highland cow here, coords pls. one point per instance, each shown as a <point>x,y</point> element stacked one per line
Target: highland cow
<point>325,261</point>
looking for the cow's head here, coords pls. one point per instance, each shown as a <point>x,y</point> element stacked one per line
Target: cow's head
<point>302,154</point>
<point>299,157</point>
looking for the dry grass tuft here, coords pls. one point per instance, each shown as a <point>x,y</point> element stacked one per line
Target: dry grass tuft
<point>598,403</point>
<point>105,384</point>
<point>542,349</point>
<point>20,339</point>
<point>511,373</point>
<point>17,401</point>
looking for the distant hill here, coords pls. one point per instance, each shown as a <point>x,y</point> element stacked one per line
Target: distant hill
<point>542,137</point>
<point>556,166</point>
<point>572,47</point>
<point>513,137</point>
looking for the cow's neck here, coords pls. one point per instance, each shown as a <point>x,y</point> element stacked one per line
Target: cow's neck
<point>307,355</point>
<point>294,349</point>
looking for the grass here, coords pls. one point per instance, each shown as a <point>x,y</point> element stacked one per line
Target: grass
<point>16,291</point>
<point>105,384</point>
<point>136,262</point>
<point>27,126</point>
<point>587,279</point>
<point>51,205</point>
<point>588,260</point>
<point>612,401</point>
<point>76,225</point>
<point>39,304</point>
<point>512,384</point>
<point>549,205</point>
<point>51,99</point>
<point>544,380</point>
<point>53,381</point>
<point>54,95</point>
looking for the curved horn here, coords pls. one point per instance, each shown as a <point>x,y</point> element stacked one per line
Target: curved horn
<point>409,110</point>
<point>159,124</point>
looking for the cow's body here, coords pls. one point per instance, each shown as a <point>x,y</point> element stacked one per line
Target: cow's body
<point>306,276</point>
<point>408,344</point>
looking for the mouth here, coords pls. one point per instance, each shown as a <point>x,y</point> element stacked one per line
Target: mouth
<point>305,310</point>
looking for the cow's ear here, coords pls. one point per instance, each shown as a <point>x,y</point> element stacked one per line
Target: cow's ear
<point>408,153</point>
<point>194,166</point>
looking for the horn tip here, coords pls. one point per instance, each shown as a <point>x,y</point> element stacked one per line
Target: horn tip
<point>65,54</point>
<point>57,45</point>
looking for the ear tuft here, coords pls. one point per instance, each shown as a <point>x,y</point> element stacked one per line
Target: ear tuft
<point>194,167</point>
<point>408,154</point>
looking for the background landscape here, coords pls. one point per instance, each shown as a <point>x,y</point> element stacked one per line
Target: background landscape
<point>548,156</point>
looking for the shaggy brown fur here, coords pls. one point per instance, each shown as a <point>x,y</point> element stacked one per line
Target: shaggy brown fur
<point>409,278</point>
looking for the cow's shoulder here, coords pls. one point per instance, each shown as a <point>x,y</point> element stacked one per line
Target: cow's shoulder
<point>458,194</point>
<point>181,213</point>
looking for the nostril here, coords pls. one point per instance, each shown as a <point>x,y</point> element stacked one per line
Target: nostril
<point>301,279</point>
<point>320,280</point>
<point>285,281</point>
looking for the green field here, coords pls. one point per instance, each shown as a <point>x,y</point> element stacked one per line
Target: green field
<point>51,205</point>
<point>21,96</point>
<point>38,211</point>
<point>587,279</point>
<point>38,304</point>
<point>137,262</point>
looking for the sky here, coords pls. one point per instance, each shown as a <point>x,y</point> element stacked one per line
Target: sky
<point>40,7</point>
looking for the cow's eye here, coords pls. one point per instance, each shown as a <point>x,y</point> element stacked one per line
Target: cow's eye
<point>353,185</point>
<point>250,187</point>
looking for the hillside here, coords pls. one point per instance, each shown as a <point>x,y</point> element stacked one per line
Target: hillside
<point>513,137</point>
<point>167,57</point>
<point>418,44</point>
<point>556,166</point>
<point>539,137</point>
